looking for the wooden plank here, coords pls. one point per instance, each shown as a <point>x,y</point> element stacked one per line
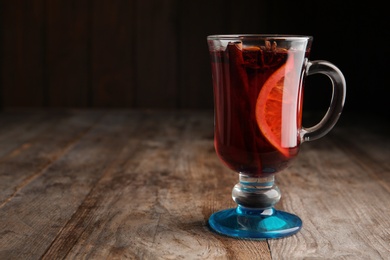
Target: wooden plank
<point>68,177</point>
<point>22,52</point>
<point>194,68</point>
<point>142,185</point>
<point>113,53</point>
<point>156,54</point>
<point>341,192</point>
<point>154,195</point>
<point>151,188</point>
<point>18,129</point>
<point>35,144</point>
<point>67,55</point>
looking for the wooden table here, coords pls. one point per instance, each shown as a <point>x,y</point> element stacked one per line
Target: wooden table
<point>125,184</point>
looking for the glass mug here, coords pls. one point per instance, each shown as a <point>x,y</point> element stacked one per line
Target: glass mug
<point>258,95</point>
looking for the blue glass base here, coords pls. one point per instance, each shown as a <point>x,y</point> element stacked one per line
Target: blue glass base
<point>248,223</point>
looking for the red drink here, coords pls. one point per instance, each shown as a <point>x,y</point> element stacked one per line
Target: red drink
<point>239,75</point>
<point>258,85</point>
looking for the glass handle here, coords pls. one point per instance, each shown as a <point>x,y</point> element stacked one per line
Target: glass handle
<point>336,103</point>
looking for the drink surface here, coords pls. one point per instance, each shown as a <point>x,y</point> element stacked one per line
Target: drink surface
<point>239,75</point>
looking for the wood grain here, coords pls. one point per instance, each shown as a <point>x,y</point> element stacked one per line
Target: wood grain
<point>156,54</point>
<point>22,53</point>
<point>66,57</point>
<point>195,79</point>
<point>112,49</point>
<point>127,184</point>
<point>153,53</point>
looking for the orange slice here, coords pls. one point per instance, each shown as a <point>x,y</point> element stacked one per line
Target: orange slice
<point>270,102</point>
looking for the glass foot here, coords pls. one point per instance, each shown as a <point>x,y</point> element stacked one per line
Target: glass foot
<point>248,223</point>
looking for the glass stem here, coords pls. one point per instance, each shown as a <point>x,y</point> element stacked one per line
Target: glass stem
<point>256,192</point>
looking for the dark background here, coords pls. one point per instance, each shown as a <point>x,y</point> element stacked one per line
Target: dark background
<point>153,53</point>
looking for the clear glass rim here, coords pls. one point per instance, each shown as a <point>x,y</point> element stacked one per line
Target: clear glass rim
<point>258,36</point>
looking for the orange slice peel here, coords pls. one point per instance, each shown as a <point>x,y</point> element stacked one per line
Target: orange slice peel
<point>269,106</point>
